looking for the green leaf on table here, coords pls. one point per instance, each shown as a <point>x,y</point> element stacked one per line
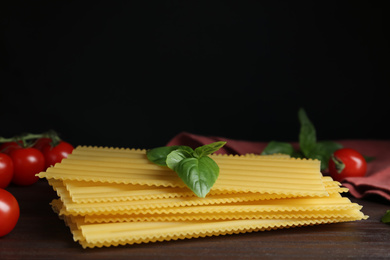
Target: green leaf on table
<point>386,217</point>
<point>199,174</point>
<point>208,149</point>
<point>274,147</point>
<point>159,155</point>
<point>307,134</point>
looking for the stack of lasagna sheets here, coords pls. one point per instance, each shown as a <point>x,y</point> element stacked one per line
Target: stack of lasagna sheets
<point>112,196</point>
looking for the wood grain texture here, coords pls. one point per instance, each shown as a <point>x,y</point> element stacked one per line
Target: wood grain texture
<point>40,234</point>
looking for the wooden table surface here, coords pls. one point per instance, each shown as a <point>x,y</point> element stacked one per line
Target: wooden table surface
<point>40,234</point>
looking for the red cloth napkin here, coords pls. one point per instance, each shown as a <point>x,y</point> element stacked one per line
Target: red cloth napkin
<point>376,181</point>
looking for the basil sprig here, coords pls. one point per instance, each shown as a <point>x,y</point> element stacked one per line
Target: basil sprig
<point>197,170</point>
<point>308,144</point>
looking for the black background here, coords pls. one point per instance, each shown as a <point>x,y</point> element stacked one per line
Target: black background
<point>136,73</point>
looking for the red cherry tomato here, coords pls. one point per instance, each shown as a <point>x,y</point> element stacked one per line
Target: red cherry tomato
<point>9,212</point>
<point>42,142</point>
<point>347,162</point>
<point>8,147</point>
<point>6,170</point>
<point>55,154</point>
<point>27,162</point>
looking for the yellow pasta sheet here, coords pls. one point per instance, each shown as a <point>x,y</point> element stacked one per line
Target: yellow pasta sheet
<point>122,233</point>
<point>352,214</point>
<point>119,207</point>
<point>88,192</point>
<point>336,207</point>
<point>125,206</point>
<point>304,207</point>
<point>261,174</point>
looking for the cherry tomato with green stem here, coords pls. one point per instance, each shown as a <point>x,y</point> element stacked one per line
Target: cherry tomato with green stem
<point>54,152</point>
<point>9,212</point>
<point>42,142</point>
<point>347,162</point>
<point>27,162</point>
<point>8,147</point>
<point>6,170</point>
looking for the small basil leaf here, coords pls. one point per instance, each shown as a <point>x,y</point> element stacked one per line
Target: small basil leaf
<point>323,151</point>
<point>159,155</point>
<point>369,158</point>
<point>278,147</point>
<point>307,134</point>
<point>199,174</point>
<point>297,154</point>
<point>208,149</point>
<point>386,217</point>
<point>176,156</point>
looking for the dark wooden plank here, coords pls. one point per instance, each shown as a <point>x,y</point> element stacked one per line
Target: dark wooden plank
<point>40,234</point>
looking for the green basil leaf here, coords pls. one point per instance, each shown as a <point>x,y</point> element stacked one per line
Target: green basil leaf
<point>177,156</point>
<point>323,151</point>
<point>297,154</point>
<point>208,149</point>
<point>198,171</point>
<point>199,174</point>
<point>278,147</point>
<point>369,158</point>
<point>307,134</point>
<point>386,217</point>
<point>159,155</point>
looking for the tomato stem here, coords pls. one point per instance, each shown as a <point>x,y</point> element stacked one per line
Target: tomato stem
<point>23,138</point>
<point>338,163</point>
<point>55,139</point>
<point>6,140</point>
